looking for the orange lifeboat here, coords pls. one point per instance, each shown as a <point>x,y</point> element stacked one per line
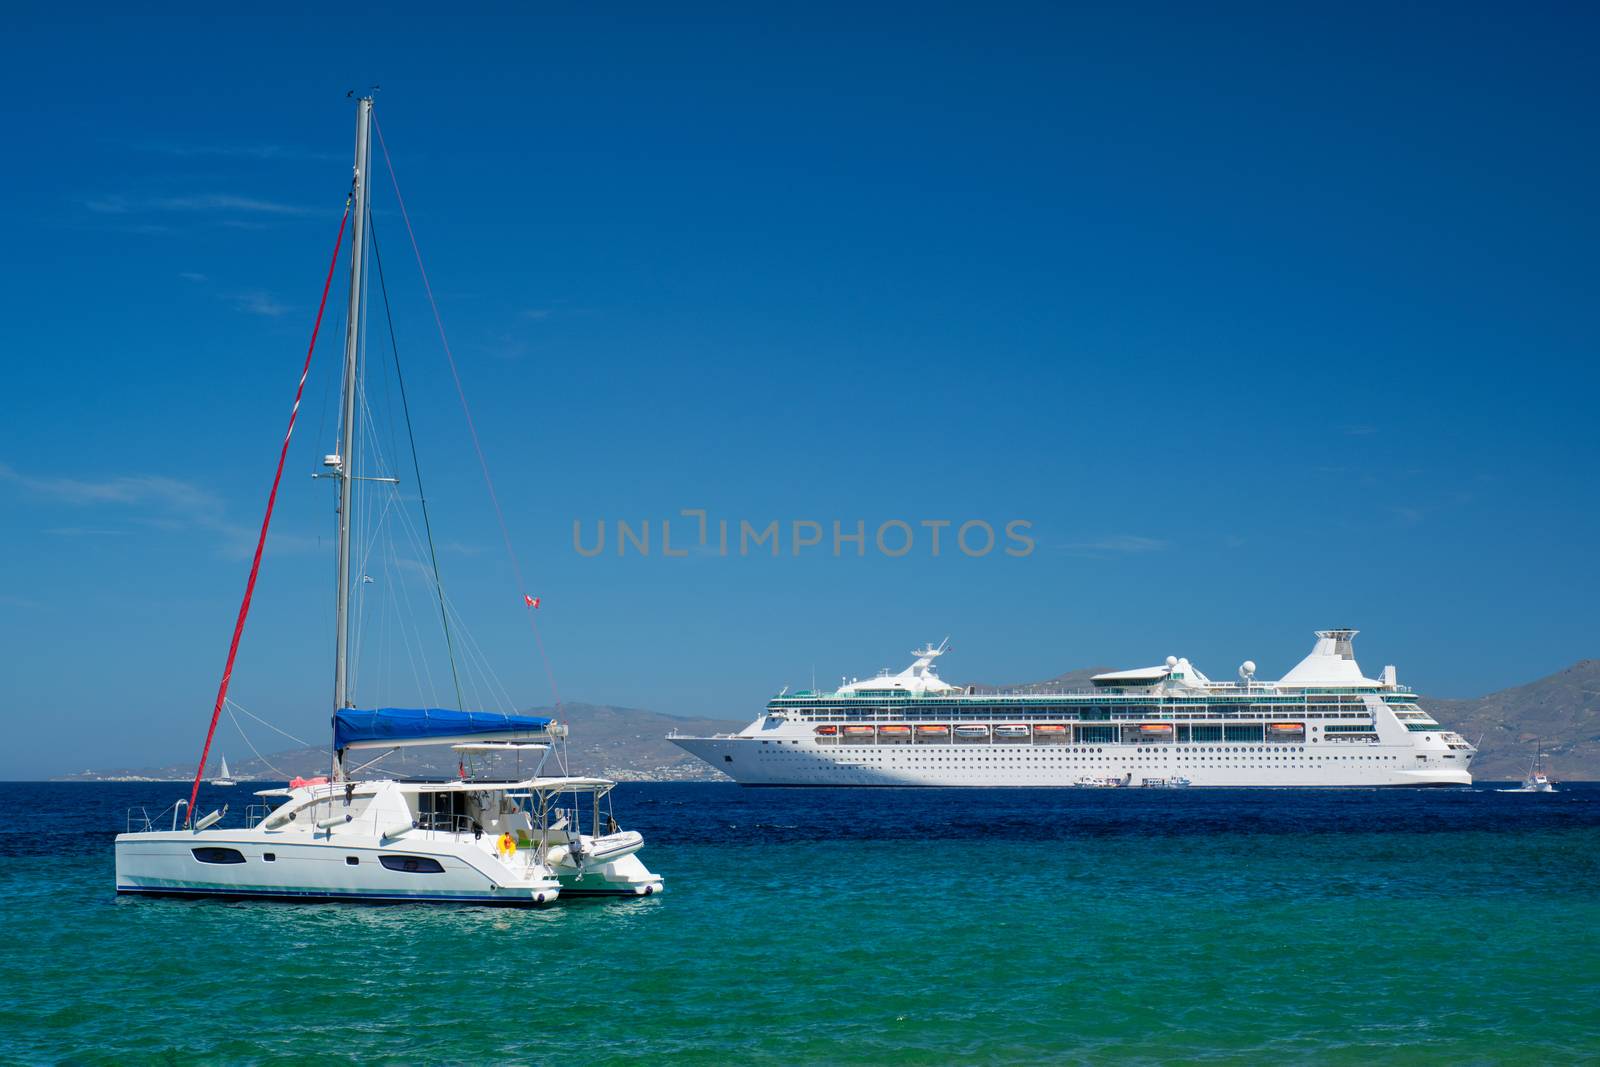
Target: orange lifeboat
<point>1049,728</point>
<point>894,731</point>
<point>826,731</point>
<point>858,731</point>
<point>933,728</point>
<point>1155,728</point>
<point>1286,727</point>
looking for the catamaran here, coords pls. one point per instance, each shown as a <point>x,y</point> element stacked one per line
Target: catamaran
<point>1324,723</point>
<point>482,837</point>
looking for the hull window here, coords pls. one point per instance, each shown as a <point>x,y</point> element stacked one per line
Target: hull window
<point>218,855</point>
<point>412,864</point>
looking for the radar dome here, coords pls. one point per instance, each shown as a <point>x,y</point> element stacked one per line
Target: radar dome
<point>1247,667</point>
<point>1172,661</point>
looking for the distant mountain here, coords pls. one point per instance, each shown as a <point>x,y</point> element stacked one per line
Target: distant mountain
<point>1562,711</point>
<point>629,744</point>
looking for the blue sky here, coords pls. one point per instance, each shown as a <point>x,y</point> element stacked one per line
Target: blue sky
<point>1265,321</point>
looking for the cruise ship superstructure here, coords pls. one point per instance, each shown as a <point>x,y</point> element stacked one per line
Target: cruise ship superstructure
<point>1322,724</point>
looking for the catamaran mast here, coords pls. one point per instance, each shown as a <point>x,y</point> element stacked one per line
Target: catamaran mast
<point>347,443</point>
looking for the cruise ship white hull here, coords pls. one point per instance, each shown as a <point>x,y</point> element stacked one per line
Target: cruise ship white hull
<point>797,761</point>
<point>1324,724</point>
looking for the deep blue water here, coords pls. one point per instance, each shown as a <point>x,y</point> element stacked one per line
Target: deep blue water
<point>881,925</point>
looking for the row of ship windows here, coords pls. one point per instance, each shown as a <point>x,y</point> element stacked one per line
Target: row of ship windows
<point>1064,715</point>
<point>1146,751</point>
<point>1018,760</point>
<point>1012,754</point>
<point>1254,697</point>
<point>1204,751</point>
<point>1127,734</point>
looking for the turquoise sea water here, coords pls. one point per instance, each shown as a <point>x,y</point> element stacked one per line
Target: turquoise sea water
<point>856,926</point>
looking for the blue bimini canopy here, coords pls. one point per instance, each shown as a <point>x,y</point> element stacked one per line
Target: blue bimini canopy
<point>429,726</point>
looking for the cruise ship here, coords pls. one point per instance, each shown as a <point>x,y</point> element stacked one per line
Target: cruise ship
<point>1323,724</point>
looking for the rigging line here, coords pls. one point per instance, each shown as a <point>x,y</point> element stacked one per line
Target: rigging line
<point>406,527</point>
<point>266,520</point>
<point>371,529</point>
<point>406,625</point>
<point>416,466</point>
<point>235,705</point>
<point>484,667</point>
<point>370,762</point>
<point>479,675</point>
<point>246,737</point>
<point>357,467</point>
<point>406,616</point>
<point>414,542</point>
<point>483,463</point>
<point>322,411</point>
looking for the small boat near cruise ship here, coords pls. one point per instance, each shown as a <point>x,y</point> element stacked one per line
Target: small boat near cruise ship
<point>223,778</point>
<point>1324,723</point>
<point>1536,781</point>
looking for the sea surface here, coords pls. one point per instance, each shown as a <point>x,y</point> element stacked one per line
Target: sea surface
<point>862,926</point>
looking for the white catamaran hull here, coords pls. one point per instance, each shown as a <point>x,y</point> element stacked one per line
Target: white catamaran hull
<point>300,866</point>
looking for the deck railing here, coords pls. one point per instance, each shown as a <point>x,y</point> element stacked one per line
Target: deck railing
<point>138,820</point>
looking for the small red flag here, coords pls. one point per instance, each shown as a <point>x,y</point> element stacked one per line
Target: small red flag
<point>531,601</point>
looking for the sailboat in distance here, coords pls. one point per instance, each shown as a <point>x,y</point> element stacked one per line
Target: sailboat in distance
<point>224,778</point>
<point>1536,781</point>
<point>513,839</point>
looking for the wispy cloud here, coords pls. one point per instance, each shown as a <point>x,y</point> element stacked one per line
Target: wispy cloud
<point>120,204</point>
<point>192,276</point>
<point>159,501</point>
<point>123,490</point>
<point>507,347</point>
<point>153,502</point>
<point>258,302</point>
<point>1116,544</point>
<point>231,151</point>
<point>1360,429</point>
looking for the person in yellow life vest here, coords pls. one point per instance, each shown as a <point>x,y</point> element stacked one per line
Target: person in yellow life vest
<point>507,845</point>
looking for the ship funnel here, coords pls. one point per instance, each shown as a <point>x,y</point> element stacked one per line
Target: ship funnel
<point>1336,643</point>
<point>1332,662</point>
